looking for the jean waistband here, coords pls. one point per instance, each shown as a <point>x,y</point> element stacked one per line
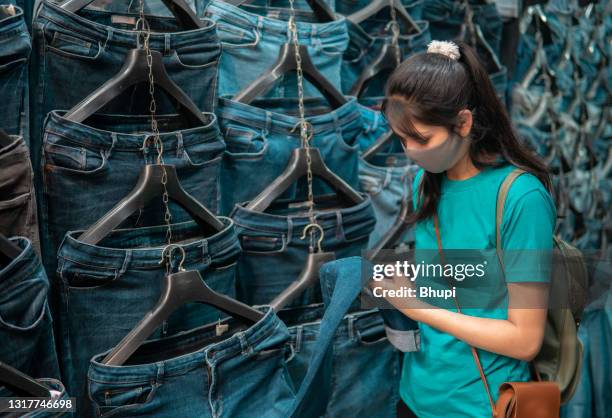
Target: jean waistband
<point>245,20</point>
<point>293,225</point>
<point>267,331</point>
<point>141,248</point>
<point>363,40</point>
<point>386,174</point>
<point>205,37</point>
<point>22,267</point>
<point>256,116</point>
<point>129,132</point>
<point>11,23</point>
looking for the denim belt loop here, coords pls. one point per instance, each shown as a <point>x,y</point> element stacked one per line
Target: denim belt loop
<point>260,25</point>
<point>125,264</point>
<point>268,124</point>
<point>159,378</point>
<point>167,43</point>
<point>180,146</point>
<point>337,126</point>
<point>289,230</point>
<point>339,227</point>
<point>109,151</point>
<point>388,177</point>
<point>109,36</point>
<point>299,331</point>
<point>351,328</point>
<point>206,253</point>
<point>245,347</point>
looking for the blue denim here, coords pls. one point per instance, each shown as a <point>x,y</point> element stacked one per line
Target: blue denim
<point>91,46</point>
<point>364,48</point>
<point>261,137</point>
<point>274,255</point>
<point>201,373</point>
<point>347,7</point>
<point>105,157</point>
<point>387,187</point>
<point>15,47</point>
<point>18,214</point>
<point>26,326</point>
<point>107,289</point>
<point>252,41</point>
<point>57,391</point>
<point>446,17</point>
<point>358,360</point>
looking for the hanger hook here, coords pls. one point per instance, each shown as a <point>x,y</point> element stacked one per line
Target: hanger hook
<point>320,228</point>
<point>167,254</point>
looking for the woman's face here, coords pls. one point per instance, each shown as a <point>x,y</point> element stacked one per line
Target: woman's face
<point>433,135</point>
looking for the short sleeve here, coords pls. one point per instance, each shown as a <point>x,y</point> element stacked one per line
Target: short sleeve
<point>527,234</point>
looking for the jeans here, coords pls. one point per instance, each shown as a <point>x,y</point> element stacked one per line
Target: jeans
<point>261,137</point>
<point>108,288</point>
<point>360,357</point>
<point>26,326</point>
<point>274,255</point>
<point>251,41</point>
<point>206,374</point>
<point>387,187</point>
<point>57,390</point>
<point>348,7</point>
<point>15,47</point>
<point>105,157</point>
<point>18,215</point>
<point>446,17</point>
<point>90,47</point>
<point>364,48</point>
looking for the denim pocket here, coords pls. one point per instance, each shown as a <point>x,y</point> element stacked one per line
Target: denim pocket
<point>74,159</point>
<point>193,58</point>
<point>24,306</point>
<point>113,399</point>
<point>233,37</point>
<point>72,46</point>
<point>80,276</point>
<point>263,244</point>
<point>204,153</point>
<point>243,143</point>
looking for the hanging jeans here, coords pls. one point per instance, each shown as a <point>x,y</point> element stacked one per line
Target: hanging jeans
<point>57,391</point>
<point>364,48</point>
<point>261,137</point>
<point>251,45</point>
<point>359,359</point>
<point>18,214</point>
<point>74,54</point>
<point>274,254</point>
<point>15,47</point>
<point>26,327</point>
<point>243,375</point>
<point>107,289</point>
<point>381,19</point>
<point>105,157</point>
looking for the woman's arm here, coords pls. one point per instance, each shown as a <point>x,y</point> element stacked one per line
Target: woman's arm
<point>520,336</point>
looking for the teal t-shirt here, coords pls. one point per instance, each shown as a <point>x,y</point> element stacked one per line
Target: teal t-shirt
<point>441,380</point>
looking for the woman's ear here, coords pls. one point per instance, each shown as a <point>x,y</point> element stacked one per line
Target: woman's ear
<point>465,122</point>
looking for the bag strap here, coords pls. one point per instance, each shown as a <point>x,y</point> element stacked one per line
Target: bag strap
<point>499,208</point>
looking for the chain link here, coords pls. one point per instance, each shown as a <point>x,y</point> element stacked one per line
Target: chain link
<point>159,146</point>
<point>306,129</point>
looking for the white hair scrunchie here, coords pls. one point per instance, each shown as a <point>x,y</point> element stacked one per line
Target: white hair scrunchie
<point>447,48</point>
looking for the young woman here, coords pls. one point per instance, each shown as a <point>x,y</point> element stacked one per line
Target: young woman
<point>444,109</point>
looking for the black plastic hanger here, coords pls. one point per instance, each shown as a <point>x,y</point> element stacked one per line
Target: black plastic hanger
<point>180,288</point>
<point>285,63</point>
<point>179,8</point>
<point>386,61</point>
<point>5,139</point>
<point>376,6</point>
<point>149,185</point>
<point>8,250</point>
<point>320,9</point>
<point>309,275</point>
<point>296,169</point>
<point>134,71</point>
<point>21,383</point>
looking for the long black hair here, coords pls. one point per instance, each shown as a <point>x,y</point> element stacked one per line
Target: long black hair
<point>433,88</point>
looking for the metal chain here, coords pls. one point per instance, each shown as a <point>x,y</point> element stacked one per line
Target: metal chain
<point>145,32</point>
<point>395,32</point>
<point>306,129</point>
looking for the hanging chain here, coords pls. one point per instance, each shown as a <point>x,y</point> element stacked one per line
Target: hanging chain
<point>395,32</point>
<point>145,32</point>
<point>306,129</point>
